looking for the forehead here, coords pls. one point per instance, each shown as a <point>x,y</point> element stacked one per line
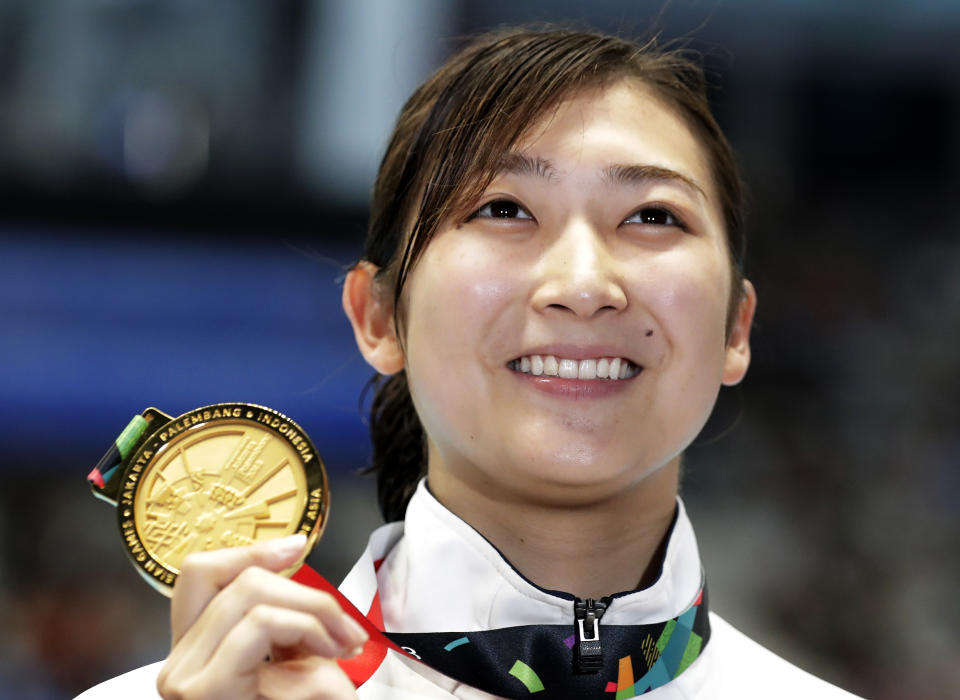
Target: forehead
<point>625,123</point>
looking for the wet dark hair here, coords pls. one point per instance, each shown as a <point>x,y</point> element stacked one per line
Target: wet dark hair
<point>446,148</point>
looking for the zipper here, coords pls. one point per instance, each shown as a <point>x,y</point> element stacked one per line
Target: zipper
<point>587,651</point>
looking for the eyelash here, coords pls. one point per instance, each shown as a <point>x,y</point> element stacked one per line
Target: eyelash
<point>478,214</point>
<point>658,210</point>
<point>647,210</point>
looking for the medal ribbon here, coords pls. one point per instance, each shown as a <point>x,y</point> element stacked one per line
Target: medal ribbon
<point>513,662</point>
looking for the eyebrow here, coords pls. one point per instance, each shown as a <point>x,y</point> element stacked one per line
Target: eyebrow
<point>513,163</point>
<point>645,174</point>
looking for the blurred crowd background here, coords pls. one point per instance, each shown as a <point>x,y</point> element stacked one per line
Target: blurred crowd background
<point>182,184</point>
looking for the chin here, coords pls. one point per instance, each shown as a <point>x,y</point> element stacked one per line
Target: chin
<point>577,481</point>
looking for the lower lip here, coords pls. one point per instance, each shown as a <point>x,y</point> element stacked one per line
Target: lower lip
<point>576,389</point>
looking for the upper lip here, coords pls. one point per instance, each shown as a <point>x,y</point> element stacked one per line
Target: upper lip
<point>568,351</point>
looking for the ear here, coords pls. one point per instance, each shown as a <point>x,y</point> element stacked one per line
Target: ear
<point>371,315</point>
<point>738,344</point>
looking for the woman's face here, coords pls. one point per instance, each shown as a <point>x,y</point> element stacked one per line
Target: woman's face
<point>600,240</point>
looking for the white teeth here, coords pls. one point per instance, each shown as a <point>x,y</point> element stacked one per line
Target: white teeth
<point>536,365</point>
<point>587,369</point>
<point>612,368</point>
<point>615,368</point>
<point>550,365</point>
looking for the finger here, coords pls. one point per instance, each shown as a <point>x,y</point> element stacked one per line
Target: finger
<point>204,574</point>
<point>255,587</point>
<point>311,677</point>
<point>262,629</point>
<point>236,687</point>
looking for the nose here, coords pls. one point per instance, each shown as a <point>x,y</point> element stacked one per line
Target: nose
<point>579,275</point>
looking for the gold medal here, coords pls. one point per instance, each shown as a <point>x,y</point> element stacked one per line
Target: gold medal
<point>225,475</point>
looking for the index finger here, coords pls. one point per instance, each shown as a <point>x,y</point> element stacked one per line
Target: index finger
<point>204,574</point>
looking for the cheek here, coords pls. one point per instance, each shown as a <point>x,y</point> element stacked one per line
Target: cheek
<point>481,295</point>
<point>689,303</point>
<point>690,299</point>
<point>459,321</point>
<point>458,295</point>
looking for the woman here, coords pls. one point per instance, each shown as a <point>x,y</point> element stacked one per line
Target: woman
<point>552,285</point>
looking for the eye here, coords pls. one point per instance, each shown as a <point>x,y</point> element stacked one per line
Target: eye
<point>501,209</point>
<point>655,216</point>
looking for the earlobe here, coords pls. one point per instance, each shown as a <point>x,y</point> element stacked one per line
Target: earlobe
<point>371,316</point>
<point>738,344</point>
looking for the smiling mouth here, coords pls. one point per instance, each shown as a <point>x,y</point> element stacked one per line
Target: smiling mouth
<point>608,368</point>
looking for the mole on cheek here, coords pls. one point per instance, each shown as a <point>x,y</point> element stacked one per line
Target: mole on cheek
<point>649,332</point>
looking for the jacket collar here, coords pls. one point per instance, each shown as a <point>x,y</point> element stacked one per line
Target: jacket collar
<point>441,574</point>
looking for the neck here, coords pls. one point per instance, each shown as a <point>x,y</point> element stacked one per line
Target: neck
<point>612,544</point>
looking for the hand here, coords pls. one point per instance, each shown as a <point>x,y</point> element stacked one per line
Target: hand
<point>230,611</point>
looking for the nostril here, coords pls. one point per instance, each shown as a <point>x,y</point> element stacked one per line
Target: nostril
<point>565,307</point>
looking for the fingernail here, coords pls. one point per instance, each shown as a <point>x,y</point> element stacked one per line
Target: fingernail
<point>288,546</point>
<point>357,635</point>
<point>356,651</point>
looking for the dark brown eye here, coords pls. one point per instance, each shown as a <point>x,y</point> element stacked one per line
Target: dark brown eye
<point>656,216</point>
<point>502,209</point>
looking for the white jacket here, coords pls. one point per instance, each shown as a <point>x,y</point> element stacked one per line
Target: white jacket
<point>434,573</point>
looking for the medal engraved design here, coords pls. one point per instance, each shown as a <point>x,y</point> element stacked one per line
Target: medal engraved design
<point>219,476</point>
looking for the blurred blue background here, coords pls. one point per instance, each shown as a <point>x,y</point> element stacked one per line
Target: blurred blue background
<point>183,184</point>
<point>113,321</point>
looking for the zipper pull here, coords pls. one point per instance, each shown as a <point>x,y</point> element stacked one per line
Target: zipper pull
<point>587,651</point>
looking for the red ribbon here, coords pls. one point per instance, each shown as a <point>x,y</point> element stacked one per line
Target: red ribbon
<point>360,667</point>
